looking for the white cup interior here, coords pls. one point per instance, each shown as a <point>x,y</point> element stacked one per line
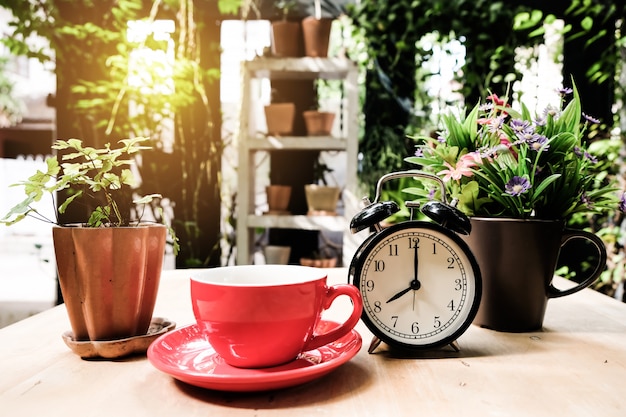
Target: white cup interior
<point>258,275</point>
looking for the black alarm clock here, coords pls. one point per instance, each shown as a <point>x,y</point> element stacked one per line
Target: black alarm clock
<point>420,283</point>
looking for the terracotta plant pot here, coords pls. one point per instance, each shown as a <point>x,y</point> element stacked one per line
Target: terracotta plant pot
<point>278,198</point>
<point>316,33</point>
<point>321,199</point>
<point>318,123</point>
<point>280,118</point>
<point>319,263</point>
<point>286,39</point>
<point>109,278</point>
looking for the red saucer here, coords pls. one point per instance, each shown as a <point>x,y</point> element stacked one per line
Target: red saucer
<point>186,355</point>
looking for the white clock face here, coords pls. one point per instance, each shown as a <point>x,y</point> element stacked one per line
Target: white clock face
<point>418,286</point>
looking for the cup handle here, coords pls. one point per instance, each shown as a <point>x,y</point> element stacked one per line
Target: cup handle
<point>332,292</point>
<point>568,235</point>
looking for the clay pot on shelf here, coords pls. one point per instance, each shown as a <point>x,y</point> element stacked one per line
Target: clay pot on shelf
<point>321,199</point>
<point>319,263</point>
<point>316,33</point>
<point>280,118</point>
<point>286,39</point>
<point>318,123</point>
<point>278,197</point>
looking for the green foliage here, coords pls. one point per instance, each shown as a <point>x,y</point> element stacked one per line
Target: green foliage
<point>233,6</point>
<point>395,103</point>
<point>104,76</point>
<point>593,20</point>
<point>92,173</point>
<point>284,7</point>
<point>10,107</point>
<point>499,162</point>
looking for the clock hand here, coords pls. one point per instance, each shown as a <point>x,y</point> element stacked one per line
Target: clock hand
<point>415,264</point>
<point>400,294</point>
<point>414,285</point>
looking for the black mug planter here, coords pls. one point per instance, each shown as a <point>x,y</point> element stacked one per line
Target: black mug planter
<point>517,260</point>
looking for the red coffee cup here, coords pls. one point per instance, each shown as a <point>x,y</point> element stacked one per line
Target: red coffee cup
<point>259,316</point>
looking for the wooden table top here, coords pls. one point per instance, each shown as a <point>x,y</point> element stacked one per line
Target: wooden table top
<point>576,366</point>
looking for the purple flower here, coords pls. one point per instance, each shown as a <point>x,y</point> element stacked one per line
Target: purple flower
<point>431,193</point>
<point>550,110</point>
<point>486,107</point>
<point>517,185</point>
<point>528,137</point>
<point>581,153</point>
<point>590,157</point>
<point>584,198</point>
<point>419,152</point>
<point>441,139</point>
<point>537,142</point>
<point>578,152</point>
<point>591,119</point>
<point>564,91</point>
<point>622,203</point>
<point>541,120</point>
<point>520,126</point>
<point>495,124</point>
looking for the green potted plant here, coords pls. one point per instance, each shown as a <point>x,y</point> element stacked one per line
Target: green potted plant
<point>321,198</point>
<point>286,35</point>
<point>520,177</point>
<point>109,265</point>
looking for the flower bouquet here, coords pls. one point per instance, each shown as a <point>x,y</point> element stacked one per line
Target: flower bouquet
<point>520,177</point>
<point>498,162</point>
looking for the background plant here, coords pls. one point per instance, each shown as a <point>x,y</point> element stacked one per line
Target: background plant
<point>395,103</point>
<point>11,108</point>
<point>94,98</point>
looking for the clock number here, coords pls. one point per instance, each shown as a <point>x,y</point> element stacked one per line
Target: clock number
<point>379,266</point>
<point>395,320</point>
<point>437,322</point>
<point>393,250</point>
<point>458,285</point>
<point>369,285</point>
<point>451,263</point>
<point>414,242</point>
<point>377,307</point>
<point>415,328</point>
<point>434,248</point>
<point>451,305</point>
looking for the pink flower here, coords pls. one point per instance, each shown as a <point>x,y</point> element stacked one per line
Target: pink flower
<point>496,100</point>
<point>471,159</point>
<point>494,124</point>
<point>455,173</point>
<point>504,140</point>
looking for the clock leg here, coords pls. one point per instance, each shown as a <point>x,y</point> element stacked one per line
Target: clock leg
<point>374,344</point>
<point>455,346</point>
